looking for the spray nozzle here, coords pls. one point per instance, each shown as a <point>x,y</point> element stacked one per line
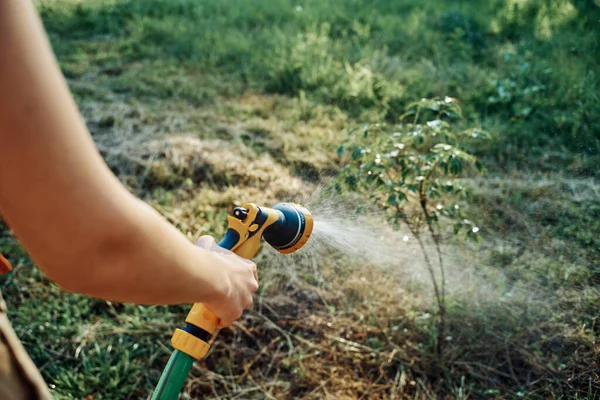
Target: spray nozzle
<point>285,226</point>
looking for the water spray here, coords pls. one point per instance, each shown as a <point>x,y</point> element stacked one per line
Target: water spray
<point>286,227</point>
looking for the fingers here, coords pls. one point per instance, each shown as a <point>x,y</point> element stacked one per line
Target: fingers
<point>228,320</point>
<point>240,277</point>
<point>255,272</point>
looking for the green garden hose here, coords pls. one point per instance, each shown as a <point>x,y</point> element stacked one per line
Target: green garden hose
<point>173,376</point>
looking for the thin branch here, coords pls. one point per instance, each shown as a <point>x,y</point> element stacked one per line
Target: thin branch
<point>436,240</point>
<point>416,234</point>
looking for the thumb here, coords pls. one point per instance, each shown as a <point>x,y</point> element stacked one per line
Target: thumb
<point>206,242</point>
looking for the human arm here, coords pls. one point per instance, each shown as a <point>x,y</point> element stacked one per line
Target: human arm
<point>77,221</point>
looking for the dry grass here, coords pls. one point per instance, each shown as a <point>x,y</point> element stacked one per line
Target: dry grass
<point>317,332</point>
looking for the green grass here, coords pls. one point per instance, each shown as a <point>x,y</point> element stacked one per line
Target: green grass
<point>524,69</point>
<point>271,87</point>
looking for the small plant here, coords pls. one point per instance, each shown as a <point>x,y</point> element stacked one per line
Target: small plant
<point>412,170</point>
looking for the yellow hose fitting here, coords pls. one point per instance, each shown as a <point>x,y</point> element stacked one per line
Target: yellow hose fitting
<point>189,344</point>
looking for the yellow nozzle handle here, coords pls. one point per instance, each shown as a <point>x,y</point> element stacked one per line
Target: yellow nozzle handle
<point>193,339</point>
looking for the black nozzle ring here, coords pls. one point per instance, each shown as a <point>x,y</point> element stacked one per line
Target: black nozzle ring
<point>288,229</point>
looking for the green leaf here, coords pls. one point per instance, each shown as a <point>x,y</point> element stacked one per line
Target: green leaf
<point>434,193</point>
<point>351,181</point>
<point>457,228</point>
<point>393,200</point>
<point>455,165</point>
<point>341,150</point>
<point>412,187</point>
<point>357,153</point>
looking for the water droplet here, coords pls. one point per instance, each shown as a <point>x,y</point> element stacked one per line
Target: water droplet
<point>448,99</point>
<point>298,8</point>
<point>475,229</point>
<point>399,146</point>
<point>439,207</point>
<point>405,238</point>
<point>329,324</point>
<point>456,207</point>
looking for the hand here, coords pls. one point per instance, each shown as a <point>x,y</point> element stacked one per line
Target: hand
<point>239,281</point>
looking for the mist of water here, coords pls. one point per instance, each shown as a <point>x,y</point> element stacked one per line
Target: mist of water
<point>366,241</point>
